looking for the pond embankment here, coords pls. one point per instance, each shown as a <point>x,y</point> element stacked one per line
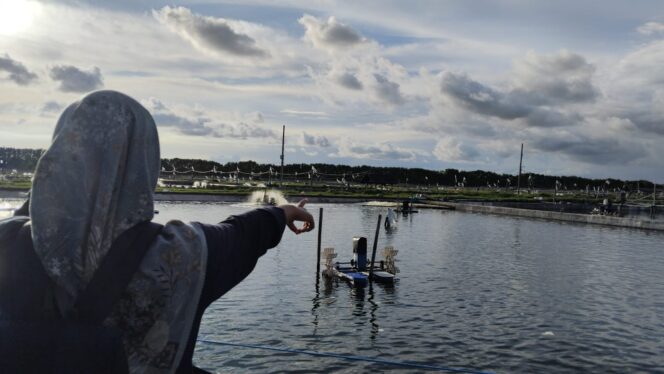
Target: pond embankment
<point>165,196</point>
<point>630,222</point>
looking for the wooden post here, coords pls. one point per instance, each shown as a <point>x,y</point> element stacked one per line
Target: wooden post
<point>283,142</point>
<point>654,200</point>
<point>375,245</point>
<point>320,233</point>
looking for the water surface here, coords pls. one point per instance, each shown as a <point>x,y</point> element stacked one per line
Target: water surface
<point>480,291</point>
<point>504,294</point>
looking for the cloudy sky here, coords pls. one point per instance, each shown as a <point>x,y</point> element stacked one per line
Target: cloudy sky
<point>432,84</point>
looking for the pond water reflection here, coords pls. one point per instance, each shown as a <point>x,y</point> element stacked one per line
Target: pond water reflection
<point>488,292</point>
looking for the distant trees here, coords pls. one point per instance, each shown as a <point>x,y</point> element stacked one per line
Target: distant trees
<point>21,160</point>
<point>25,160</point>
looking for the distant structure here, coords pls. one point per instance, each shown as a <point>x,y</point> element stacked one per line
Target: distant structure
<point>283,141</point>
<point>518,181</point>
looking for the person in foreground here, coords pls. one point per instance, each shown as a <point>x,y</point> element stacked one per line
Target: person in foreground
<point>92,185</point>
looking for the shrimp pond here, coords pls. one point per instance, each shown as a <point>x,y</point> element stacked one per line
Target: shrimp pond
<point>482,292</point>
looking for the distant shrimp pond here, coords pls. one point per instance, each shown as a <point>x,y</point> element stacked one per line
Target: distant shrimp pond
<point>475,292</point>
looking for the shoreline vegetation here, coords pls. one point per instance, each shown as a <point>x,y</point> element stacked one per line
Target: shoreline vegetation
<point>392,193</point>
<point>241,179</point>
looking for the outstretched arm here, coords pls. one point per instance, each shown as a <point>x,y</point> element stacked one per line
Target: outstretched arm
<point>234,247</point>
<point>235,244</point>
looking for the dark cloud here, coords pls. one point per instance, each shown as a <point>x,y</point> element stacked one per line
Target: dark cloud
<point>187,126</point>
<point>542,87</point>
<point>16,70</point>
<point>564,77</point>
<point>593,150</point>
<point>550,118</point>
<point>646,120</point>
<point>72,79</point>
<point>202,125</point>
<point>484,100</point>
<point>348,80</point>
<point>481,99</point>
<point>388,91</point>
<point>336,33</point>
<point>330,33</point>
<point>208,32</point>
<point>50,107</point>
<point>312,140</point>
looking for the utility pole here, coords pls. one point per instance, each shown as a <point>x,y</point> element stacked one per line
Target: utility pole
<point>283,141</point>
<point>654,201</point>
<point>518,181</point>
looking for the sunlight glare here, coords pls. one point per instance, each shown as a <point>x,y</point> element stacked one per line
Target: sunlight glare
<point>16,15</point>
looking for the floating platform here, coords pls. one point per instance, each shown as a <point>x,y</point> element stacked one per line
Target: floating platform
<point>381,276</point>
<point>357,272</point>
<point>360,279</point>
<point>351,275</point>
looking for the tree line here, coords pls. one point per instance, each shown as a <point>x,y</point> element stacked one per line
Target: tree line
<point>25,160</point>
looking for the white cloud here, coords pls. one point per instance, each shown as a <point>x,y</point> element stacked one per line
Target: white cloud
<point>388,77</point>
<point>296,112</point>
<point>197,122</point>
<point>650,28</point>
<point>451,149</point>
<point>375,151</point>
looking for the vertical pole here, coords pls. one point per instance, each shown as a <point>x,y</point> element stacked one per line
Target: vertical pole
<point>654,201</point>
<point>518,183</point>
<point>320,233</point>
<point>375,245</point>
<point>283,141</point>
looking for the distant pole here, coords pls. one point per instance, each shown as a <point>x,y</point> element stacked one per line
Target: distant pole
<point>375,245</point>
<point>283,141</point>
<point>320,233</point>
<point>518,181</point>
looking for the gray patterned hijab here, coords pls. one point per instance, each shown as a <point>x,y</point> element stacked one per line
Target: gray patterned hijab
<point>95,181</point>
